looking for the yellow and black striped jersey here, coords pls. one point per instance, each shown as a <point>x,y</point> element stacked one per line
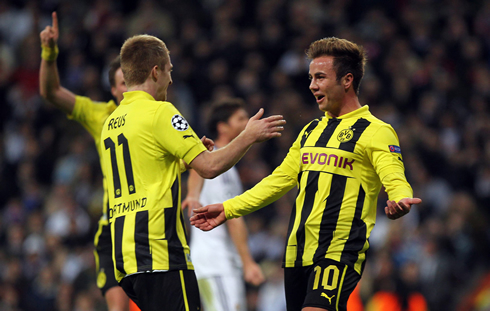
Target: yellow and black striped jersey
<point>339,165</point>
<point>142,144</point>
<point>92,115</point>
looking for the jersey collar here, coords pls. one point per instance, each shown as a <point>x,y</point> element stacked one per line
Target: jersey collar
<point>353,114</point>
<point>130,97</point>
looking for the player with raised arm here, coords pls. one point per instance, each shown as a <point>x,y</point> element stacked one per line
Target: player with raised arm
<point>221,286</point>
<point>91,115</point>
<point>142,144</point>
<point>339,163</point>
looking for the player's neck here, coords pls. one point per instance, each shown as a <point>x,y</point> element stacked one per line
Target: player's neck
<point>350,104</point>
<point>145,87</point>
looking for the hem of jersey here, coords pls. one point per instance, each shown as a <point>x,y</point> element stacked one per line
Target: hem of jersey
<point>184,267</point>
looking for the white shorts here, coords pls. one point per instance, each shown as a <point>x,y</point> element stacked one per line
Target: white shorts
<point>223,293</point>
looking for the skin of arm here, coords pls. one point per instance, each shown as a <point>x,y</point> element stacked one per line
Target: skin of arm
<point>49,80</point>
<point>211,164</point>
<point>239,235</point>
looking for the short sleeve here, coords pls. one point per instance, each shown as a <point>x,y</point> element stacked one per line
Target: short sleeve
<point>91,115</point>
<point>175,135</point>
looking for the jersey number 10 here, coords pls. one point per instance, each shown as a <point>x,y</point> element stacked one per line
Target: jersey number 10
<point>109,144</point>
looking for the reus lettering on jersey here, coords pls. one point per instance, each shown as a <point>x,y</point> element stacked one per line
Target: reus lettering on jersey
<point>117,122</point>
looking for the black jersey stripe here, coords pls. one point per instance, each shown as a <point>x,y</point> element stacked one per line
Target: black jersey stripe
<point>142,251</point>
<point>308,131</point>
<point>327,132</point>
<point>311,189</point>
<point>292,218</point>
<point>357,235</point>
<point>293,212</point>
<point>358,128</point>
<point>330,215</point>
<point>128,166</point>
<point>175,249</point>
<point>118,236</point>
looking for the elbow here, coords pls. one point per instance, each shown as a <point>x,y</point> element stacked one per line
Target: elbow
<point>46,94</point>
<point>209,172</point>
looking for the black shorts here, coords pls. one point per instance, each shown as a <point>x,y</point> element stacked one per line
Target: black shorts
<point>172,290</point>
<point>103,258</point>
<point>326,284</point>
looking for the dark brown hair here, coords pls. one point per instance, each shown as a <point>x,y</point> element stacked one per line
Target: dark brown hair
<point>139,54</point>
<point>221,111</point>
<point>113,67</point>
<point>348,57</point>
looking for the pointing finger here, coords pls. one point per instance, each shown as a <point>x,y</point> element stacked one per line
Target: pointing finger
<point>55,21</point>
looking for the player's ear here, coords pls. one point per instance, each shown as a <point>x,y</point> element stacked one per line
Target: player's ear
<point>348,81</point>
<point>154,73</point>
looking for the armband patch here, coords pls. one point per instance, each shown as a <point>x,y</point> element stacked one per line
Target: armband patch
<point>395,149</point>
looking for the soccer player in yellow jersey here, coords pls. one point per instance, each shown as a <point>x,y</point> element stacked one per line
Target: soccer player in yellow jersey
<point>339,163</point>
<point>91,115</point>
<point>142,143</point>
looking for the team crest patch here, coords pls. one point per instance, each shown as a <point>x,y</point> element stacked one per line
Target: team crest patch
<point>179,123</point>
<point>395,149</point>
<point>345,135</point>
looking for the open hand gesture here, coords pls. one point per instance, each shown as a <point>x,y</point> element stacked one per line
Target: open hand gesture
<point>266,128</point>
<point>396,210</point>
<point>208,217</point>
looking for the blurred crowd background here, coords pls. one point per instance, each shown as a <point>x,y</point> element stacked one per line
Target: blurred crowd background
<point>428,75</point>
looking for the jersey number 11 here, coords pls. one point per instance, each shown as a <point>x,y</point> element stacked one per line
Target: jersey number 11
<point>109,144</point>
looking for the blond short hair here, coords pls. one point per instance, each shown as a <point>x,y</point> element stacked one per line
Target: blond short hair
<point>139,54</point>
<point>348,57</point>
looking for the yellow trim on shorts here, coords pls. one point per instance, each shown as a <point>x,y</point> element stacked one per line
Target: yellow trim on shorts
<point>183,290</point>
<point>340,288</point>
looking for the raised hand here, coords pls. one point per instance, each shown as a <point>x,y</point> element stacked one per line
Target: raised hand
<point>264,129</point>
<point>49,36</point>
<point>396,210</point>
<point>208,217</point>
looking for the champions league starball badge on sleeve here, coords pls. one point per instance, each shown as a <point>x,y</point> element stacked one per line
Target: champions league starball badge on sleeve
<point>179,123</point>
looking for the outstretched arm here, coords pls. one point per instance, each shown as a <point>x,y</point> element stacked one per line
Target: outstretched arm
<point>239,235</point>
<point>49,80</point>
<point>211,164</point>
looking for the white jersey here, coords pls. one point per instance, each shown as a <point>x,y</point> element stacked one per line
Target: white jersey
<point>213,252</point>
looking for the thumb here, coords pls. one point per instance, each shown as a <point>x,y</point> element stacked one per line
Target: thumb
<point>200,210</point>
<point>415,201</point>
<point>258,115</point>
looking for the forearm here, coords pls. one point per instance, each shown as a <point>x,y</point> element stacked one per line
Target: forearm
<point>239,236</point>
<point>262,194</point>
<point>397,186</point>
<point>211,164</point>
<point>51,89</point>
<point>194,185</point>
